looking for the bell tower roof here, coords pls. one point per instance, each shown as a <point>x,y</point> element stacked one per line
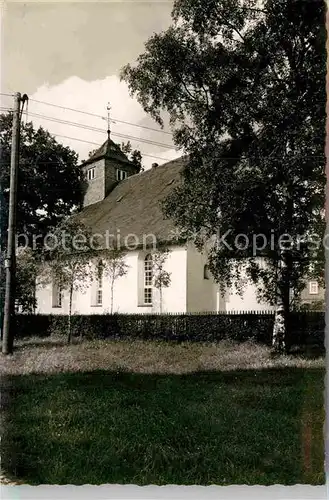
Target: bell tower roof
<point>109,151</point>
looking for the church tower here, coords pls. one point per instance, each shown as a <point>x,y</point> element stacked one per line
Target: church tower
<point>107,166</point>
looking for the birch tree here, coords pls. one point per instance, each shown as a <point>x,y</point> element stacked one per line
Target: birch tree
<point>161,277</point>
<point>115,267</point>
<point>67,261</point>
<point>243,83</point>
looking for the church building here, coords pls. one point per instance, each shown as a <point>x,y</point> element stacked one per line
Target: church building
<point>122,203</point>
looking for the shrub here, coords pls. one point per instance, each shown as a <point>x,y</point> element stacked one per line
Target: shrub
<point>304,328</point>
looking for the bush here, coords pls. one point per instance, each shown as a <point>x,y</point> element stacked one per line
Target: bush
<point>304,328</point>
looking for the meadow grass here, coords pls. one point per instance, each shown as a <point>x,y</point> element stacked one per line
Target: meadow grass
<point>159,413</point>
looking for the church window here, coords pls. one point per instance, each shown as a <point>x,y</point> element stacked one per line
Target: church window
<point>99,297</point>
<point>121,175</point>
<point>148,279</point>
<point>206,273</point>
<point>91,174</point>
<point>99,291</point>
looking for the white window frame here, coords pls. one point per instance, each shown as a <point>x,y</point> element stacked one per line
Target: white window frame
<point>99,297</point>
<point>313,288</point>
<point>121,175</point>
<point>91,173</point>
<point>148,280</point>
<point>99,290</point>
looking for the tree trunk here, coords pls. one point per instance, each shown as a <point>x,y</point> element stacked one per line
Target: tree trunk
<point>282,306</point>
<point>69,318</point>
<point>279,327</point>
<point>284,273</point>
<point>160,299</point>
<point>112,287</point>
<point>34,296</point>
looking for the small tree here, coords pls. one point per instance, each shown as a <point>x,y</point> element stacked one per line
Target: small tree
<point>161,277</point>
<point>49,180</point>
<point>135,156</point>
<point>68,264</point>
<point>26,275</point>
<point>114,267</point>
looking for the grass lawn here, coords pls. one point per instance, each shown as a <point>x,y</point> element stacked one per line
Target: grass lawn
<point>156,413</point>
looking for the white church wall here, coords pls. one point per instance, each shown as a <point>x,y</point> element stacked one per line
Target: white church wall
<point>44,297</point>
<point>201,293</point>
<point>248,301</point>
<point>128,290</point>
<point>174,296</point>
<point>188,291</point>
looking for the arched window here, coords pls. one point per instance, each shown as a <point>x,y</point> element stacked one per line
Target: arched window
<point>206,272</point>
<point>148,279</point>
<point>99,292</point>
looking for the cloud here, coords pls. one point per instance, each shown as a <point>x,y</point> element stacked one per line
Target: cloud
<point>72,128</point>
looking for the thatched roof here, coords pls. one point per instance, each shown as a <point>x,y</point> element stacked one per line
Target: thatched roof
<point>134,206</point>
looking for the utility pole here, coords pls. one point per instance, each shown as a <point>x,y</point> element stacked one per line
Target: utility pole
<point>10,261</point>
<point>1,250</point>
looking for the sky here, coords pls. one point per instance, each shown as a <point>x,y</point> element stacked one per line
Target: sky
<point>70,55</point>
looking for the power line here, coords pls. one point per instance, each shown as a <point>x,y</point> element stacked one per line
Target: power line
<point>97,144</point>
<point>96,129</point>
<point>125,136</point>
<point>100,116</point>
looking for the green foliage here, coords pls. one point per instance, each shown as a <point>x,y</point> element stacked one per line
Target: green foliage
<point>135,156</point>
<point>114,267</point>
<point>315,305</point>
<point>26,275</point>
<point>244,86</point>
<point>161,277</point>
<point>67,261</point>
<point>27,263</point>
<point>67,256</point>
<point>49,179</point>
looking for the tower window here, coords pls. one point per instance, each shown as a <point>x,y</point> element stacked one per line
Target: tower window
<point>91,174</point>
<point>148,278</point>
<point>313,288</point>
<point>121,175</point>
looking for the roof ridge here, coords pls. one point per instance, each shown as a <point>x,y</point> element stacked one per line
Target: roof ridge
<point>152,169</point>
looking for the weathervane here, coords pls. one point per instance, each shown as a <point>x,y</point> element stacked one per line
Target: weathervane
<point>108,120</point>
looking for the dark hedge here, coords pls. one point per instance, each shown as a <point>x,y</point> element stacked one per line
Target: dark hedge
<point>305,328</point>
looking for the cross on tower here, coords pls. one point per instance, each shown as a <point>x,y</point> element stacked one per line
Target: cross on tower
<point>108,120</point>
